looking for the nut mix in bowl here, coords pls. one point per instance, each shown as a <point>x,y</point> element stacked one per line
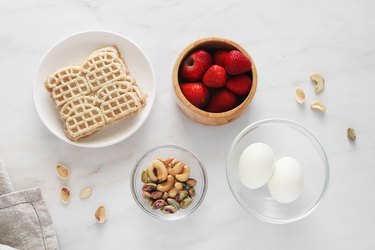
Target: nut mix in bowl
<point>169,182</point>
<point>214,79</point>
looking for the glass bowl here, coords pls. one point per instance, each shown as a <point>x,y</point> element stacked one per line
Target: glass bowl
<point>286,138</point>
<point>197,171</point>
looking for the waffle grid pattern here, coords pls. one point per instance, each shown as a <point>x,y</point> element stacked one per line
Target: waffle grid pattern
<point>98,92</point>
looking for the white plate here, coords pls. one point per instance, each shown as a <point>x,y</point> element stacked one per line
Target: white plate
<point>74,49</point>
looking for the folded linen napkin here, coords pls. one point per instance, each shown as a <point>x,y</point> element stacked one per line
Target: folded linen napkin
<point>24,219</point>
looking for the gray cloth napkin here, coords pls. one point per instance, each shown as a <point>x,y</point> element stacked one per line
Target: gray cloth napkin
<point>24,219</point>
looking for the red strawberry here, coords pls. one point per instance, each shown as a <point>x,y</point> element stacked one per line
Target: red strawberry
<point>222,101</point>
<point>195,65</point>
<point>196,93</point>
<point>219,57</point>
<point>237,63</point>
<point>239,85</point>
<point>215,77</point>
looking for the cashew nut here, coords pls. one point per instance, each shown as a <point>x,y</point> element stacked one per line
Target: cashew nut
<point>318,105</point>
<point>184,176</point>
<point>157,172</point>
<point>319,82</point>
<point>300,95</point>
<point>167,185</point>
<point>166,161</point>
<point>175,168</point>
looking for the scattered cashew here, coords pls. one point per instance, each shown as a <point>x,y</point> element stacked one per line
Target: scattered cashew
<point>318,105</point>
<point>157,172</point>
<point>319,82</point>
<point>175,168</point>
<point>184,176</point>
<point>167,185</point>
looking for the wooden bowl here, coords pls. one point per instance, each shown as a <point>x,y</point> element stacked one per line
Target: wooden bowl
<point>197,114</point>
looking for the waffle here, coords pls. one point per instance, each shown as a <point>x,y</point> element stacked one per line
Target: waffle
<point>104,66</point>
<point>118,101</point>
<point>94,93</point>
<point>82,117</point>
<point>67,83</point>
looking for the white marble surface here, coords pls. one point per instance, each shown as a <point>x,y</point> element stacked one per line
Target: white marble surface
<point>287,39</point>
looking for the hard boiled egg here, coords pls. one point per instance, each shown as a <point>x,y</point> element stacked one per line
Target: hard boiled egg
<point>256,165</point>
<point>286,183</point>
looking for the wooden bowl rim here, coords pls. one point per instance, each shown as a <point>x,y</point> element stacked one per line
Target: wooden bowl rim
<point>199,43</point>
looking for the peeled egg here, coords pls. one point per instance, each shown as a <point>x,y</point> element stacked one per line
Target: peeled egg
<point>286,183</point>
<point>256,165</point>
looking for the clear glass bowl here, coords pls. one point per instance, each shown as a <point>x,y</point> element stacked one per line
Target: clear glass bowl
<point>197,171</point>
<point>286,138</point>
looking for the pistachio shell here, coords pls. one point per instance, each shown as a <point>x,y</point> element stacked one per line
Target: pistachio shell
<point>101,214</point>
<point>62,171</point>
<point>85,193</point>
<point>351,134</point>
<point>64,195</point>
<point>300,95</point>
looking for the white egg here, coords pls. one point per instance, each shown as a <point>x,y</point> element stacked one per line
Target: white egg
<point>256,165</point>
<point>286,183</point>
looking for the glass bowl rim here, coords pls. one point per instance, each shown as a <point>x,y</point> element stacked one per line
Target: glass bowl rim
<point>311,138</point>
<point>200,198</point>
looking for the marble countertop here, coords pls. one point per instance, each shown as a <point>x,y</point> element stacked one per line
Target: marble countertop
<point>287,39</point>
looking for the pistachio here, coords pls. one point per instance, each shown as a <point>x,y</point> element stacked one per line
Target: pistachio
<point>168,209</point>
<point>351,134</point>
<point>101,214</point>
<point>173,192</point>
<point>159,204</point>
<point>319,82</point>
<point>149,187</point>
<point>151,202</point>
<point>85,193</point>
<point>191,182</point>
<point>318,105</point>
<point>146,195</point>
<point>64,195</point>
<point>181,195</point>
<point>156,195</point>
<point>62,171</point>
<point>167,185</point>
<point>174,203</point>
<point>185,186</point>
<point>191,192</point>
<point>178,185</point>
<point>300,95</point>
<point>144,176</point>
<point>165,196</point>
<point>186,202</point>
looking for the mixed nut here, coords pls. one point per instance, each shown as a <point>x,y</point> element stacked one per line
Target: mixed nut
<point>168,185</point>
